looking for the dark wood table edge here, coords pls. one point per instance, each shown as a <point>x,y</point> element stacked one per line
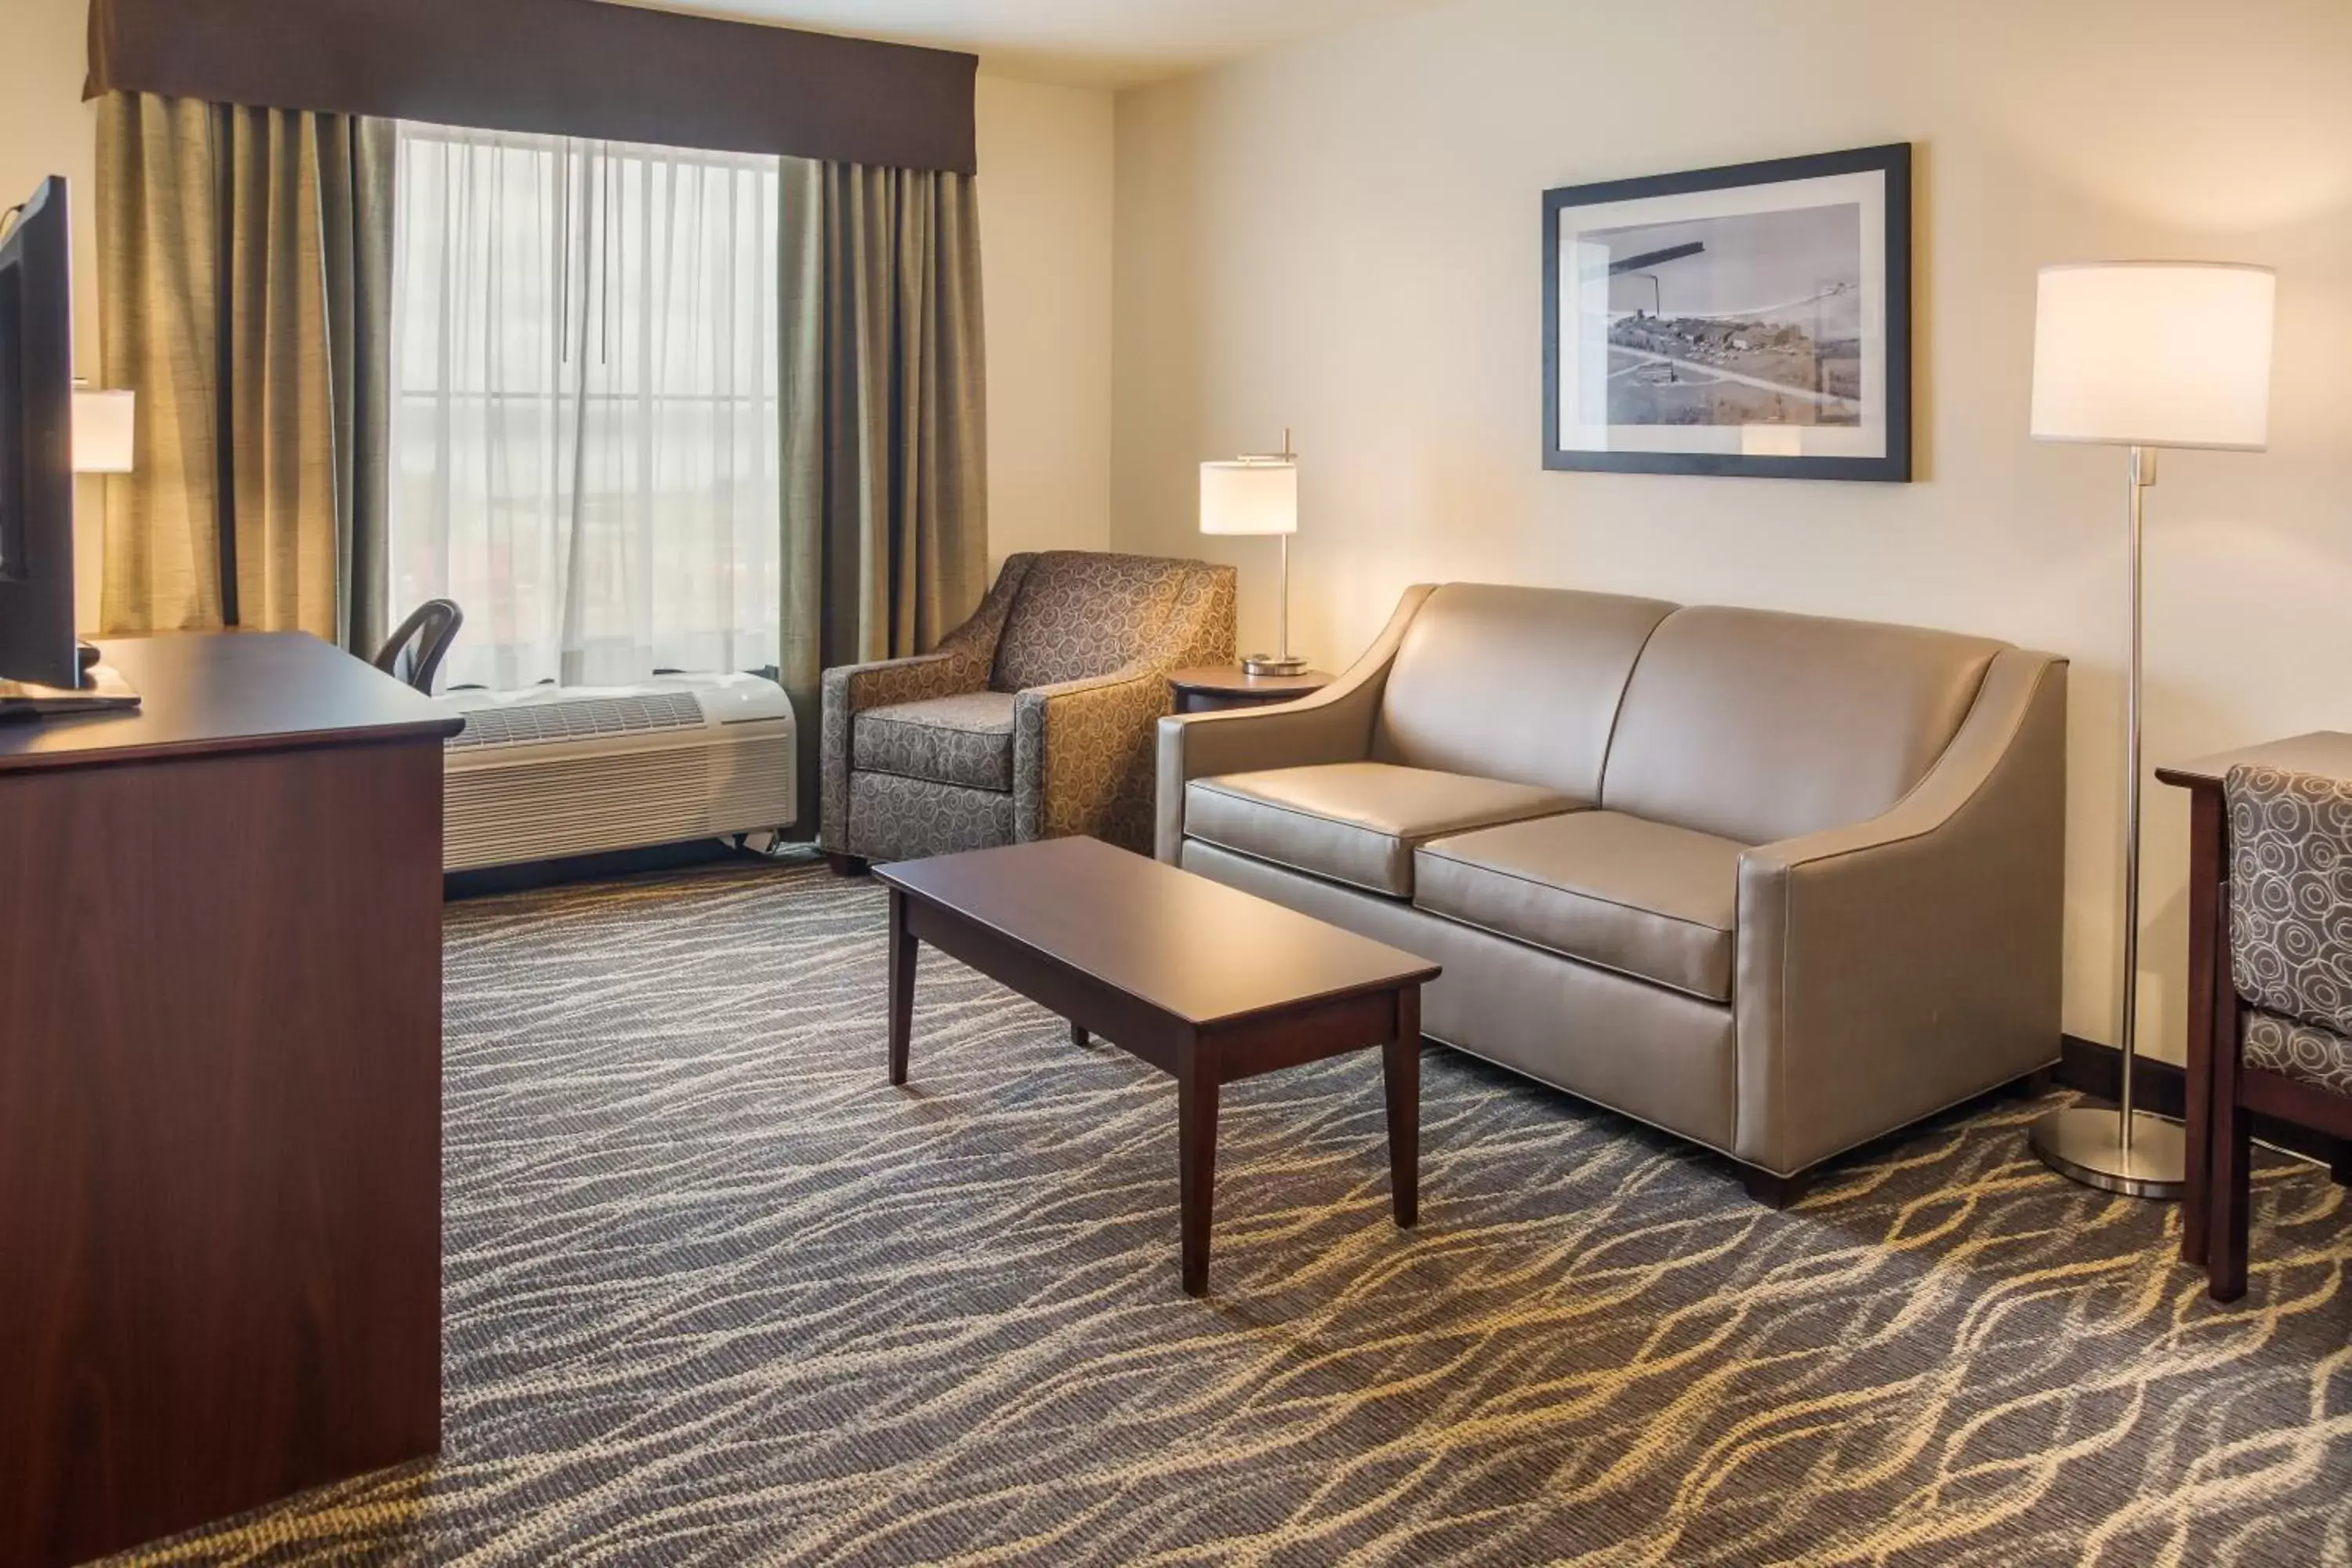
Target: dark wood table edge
<point>1234,677</point>
<point>1203,687</point>
<point>1202,1057</point>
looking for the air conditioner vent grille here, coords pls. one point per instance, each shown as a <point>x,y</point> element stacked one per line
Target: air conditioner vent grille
<point>547,723</point>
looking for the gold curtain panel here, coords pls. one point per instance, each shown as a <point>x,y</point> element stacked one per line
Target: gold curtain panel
<point>244,291</point>
<point>565,67</point>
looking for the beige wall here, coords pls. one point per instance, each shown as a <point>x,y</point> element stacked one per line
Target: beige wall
<point>1045,239</point>
<point>45,128</point>
<point>1341,236</point>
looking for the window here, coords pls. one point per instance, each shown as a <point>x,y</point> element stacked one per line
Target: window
<point>584,433</point>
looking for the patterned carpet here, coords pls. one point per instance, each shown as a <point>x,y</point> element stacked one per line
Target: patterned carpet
<point>716,1294</point>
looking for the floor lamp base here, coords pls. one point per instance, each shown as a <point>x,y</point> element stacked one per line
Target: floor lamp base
<point>2085,1144</point>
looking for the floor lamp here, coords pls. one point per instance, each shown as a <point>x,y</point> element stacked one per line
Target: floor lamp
<point>2144,354</point>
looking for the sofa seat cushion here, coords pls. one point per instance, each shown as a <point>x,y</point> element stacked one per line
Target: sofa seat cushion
<point>1357,822</point>
<point>965,740</point>
<point>1638,897</point>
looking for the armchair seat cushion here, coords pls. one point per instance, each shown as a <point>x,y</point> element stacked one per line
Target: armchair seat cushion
<point>2305,1052</point>
<point>1357,822</point>
<point>965,740</point>
<point>1638,897</point>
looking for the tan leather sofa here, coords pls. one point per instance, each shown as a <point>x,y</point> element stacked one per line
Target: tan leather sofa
<point>1776,883</point>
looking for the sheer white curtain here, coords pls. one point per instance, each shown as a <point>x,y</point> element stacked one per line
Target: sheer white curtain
<point>585,430</point>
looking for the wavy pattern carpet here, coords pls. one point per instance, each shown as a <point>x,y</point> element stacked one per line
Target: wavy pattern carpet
<point>716,1294</point>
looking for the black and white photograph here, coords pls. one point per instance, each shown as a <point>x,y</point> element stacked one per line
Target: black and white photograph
<point>1746,320</point>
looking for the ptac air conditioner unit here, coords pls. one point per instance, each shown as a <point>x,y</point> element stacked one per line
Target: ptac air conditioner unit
<point>554,771</point>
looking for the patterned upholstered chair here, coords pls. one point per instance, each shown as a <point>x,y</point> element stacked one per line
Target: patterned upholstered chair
<point>1035,719</point>
<point>2289,935</point>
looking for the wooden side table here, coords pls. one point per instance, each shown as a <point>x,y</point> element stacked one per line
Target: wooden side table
<point>1212,688</point>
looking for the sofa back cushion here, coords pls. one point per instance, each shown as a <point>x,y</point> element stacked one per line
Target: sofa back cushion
<point>1757,726</point>
<point>1520,684</point>
<point>1080,613</point>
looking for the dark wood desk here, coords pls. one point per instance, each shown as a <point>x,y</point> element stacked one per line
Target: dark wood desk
<point>2212,997</point>
<point>220,1062</point>
<point>1206,982</point>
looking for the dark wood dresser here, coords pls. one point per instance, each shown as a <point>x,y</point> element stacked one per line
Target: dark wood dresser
<point>220,1073</point>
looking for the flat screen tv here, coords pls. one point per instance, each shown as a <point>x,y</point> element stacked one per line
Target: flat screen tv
<point>36,481</point>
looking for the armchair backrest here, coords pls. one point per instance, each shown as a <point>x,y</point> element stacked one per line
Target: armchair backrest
<point>1759,726</point>
<point>1080,613</point>
<point>2291,893</point>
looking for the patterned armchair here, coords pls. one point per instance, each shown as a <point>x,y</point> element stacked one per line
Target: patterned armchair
<point>1035,719</point>
<point>2288,930</point>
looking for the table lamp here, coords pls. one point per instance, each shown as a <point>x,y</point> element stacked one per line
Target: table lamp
<point>1257,496</point>
<point>2144,354</point>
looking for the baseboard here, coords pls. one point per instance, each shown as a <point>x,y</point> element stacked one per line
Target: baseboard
<point>2092,1069</point>
<point>2089,1067</point>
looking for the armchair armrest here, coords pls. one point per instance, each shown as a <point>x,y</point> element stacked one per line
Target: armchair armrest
<point>1082,755</point>
<point>961,663</point>
<point>1334,725</point>
<point>1895,966</point>
<point>1082,748</point>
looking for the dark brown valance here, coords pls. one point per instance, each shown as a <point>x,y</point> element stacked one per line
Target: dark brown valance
<point>569,67</point>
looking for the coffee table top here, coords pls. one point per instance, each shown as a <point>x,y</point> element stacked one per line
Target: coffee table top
<point>1195,948</point>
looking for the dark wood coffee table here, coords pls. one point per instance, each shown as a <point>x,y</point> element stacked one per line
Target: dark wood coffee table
<point>1203,981</point>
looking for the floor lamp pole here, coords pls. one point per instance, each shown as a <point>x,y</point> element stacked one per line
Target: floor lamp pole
<point>2143,474</point>
<point>2124,1151</point>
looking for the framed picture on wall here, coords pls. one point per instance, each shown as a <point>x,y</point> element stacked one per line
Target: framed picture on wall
<point>1750,319</point>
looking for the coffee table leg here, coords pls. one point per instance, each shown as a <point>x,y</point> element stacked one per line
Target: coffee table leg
<point>902,985</point>
<point>1400,1077</point>
<point>1196,1161</point>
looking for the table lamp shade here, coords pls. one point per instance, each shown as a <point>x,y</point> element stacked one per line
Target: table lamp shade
<point>1249,496</point>
<point>2154,353</point>
<point>103,428</point>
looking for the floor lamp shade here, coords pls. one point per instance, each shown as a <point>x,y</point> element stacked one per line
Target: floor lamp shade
<point>1249,495</point>
<point>2154,353</point>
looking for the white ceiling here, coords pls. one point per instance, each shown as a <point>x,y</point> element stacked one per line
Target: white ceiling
<point>1084,43</point>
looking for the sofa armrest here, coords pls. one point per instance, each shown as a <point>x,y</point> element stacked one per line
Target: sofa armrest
<point>1893,967</point>
<point>1334,725</point>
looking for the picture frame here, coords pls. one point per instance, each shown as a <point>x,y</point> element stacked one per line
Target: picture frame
<point>1750,320</point>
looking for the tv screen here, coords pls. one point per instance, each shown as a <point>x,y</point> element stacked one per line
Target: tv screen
<point>36,480</point>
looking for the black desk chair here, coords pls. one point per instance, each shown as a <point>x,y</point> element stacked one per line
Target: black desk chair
<point>414,651</point>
